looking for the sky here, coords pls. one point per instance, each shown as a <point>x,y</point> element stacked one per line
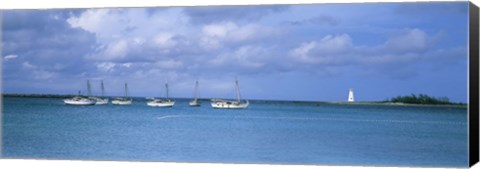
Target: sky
<point>279,52</point>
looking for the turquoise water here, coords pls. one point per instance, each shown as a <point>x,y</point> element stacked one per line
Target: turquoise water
<point>271,133</point>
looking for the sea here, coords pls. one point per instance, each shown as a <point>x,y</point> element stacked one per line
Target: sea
<point>267,132</point>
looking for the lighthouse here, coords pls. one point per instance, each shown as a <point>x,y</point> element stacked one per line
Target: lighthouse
<point>350,95</point>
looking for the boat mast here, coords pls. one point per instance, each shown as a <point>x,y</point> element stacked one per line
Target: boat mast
<point>103,89</point>
<point>196,90</point>
<point>126,90</point>
<point>166,87</point>
<point>89,88</point>
<point>237,90</point>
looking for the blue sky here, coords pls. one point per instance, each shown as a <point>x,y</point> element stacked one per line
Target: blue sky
<point>283,52</point>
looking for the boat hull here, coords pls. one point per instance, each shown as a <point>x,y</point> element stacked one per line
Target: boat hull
<point>79,102</point>
<point>229,105</point>
<point>161,104</point>
<point>194,103</point>
<point>100,101</point>
<point>122,102</point>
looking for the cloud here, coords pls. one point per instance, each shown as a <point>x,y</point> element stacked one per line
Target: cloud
<point>44,39</point>
<point>209,15</point>
<point>328,50</point>
<point>116,50</point>
<point>245,57</point>
<point>169,64</point>
<point>215,44</point>
<point>111,24</point>
<point>415,9</point>
<point>324,20</point>
<point>10,57</point>
<point>219,34</point>
<point>408,40</point>
<point>392,57</point>
<point>43,75</point>
<point>137,35</point>
<point>164,40</point>
<point>27,65</point>
<point>172,44</point>
<point>105,66</point>
<point>92,20</point>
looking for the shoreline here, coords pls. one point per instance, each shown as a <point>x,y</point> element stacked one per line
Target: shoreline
<point>398,104</point>
<point>315,103</point>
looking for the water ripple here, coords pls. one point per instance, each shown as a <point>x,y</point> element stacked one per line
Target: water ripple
<point>317,119</point>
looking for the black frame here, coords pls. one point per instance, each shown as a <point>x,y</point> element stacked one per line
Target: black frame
<point>473,119</point>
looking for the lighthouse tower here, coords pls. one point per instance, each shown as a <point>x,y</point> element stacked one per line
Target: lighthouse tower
<point>350,95</point>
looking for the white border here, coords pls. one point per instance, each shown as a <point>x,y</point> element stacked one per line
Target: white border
<point>53,4</point>
<point>49,4</point>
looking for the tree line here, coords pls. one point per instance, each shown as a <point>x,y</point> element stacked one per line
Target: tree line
<point>421,99</point>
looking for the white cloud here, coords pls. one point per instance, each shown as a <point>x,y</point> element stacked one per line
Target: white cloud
<point>123,32</point>
<point>335,44</point>
<point>408,40</point>
<point>10,57</point>
<point>116,50</point>
<point>112,52</point>
<point>216,35</point>
<point>405,46</point>
<point>302,53</point>
<point>164,40</point>
<point>27,65</point>
<point>328,50</point>
<point>130,22</point>
<point>105,66</point>
<point>251,57</point>
<point>93,20</point>
<point>127,65</point>
<point>393,57</point>
<point>219,30</point>
<point>245,58</point>
<point>249,31</point>
<point>169,64</point>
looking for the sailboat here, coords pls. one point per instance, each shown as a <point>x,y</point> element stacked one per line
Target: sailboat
<point>161,103</point>
<point>230,104</point>
<point>123,100</point>
<point>81,100</point>
<point>100,100</point>
<point>195,102</point>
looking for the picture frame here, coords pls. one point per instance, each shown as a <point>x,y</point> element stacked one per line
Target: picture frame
<point>472,84</point>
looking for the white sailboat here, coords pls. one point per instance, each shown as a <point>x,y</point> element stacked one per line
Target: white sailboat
<point>162,103</point>
<point>195,102</point>
<point>123,100</point>
<point>230,104</point>
<point>101,100</point>
<point>81,100</point>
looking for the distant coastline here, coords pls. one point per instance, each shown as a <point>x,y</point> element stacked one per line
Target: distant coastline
<point>313,103</point>
<point>37,95</point>
<point>383,103</point>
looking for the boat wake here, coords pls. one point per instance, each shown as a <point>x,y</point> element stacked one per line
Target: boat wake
<point>166,117</point>
<point>316,119</point>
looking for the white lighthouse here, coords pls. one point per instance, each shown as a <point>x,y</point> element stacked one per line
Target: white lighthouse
<point>350,95</point>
